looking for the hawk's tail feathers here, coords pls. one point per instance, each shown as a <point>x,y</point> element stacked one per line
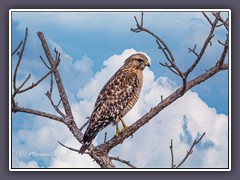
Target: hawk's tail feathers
<point>84,147</point>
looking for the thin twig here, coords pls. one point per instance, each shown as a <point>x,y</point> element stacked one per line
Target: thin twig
<point>105,137</point>
<point>55,106</point>
<point>204,47</point>
<point>49,95</point>
<point>19,60</point>
<point>72,149</point>
<point>172,156</point>
<point>57,58</point>
<point>81,128</point>
<point>225,23</point>
<point>190,150</point>
<point>59,103</point>
<point>221,42</point>
<point>19,45</point>
<point>208,19</point>
<point>122,161</point>
<point>44,62</point>
<point>162,46</point>
<point>24,82</point>
<point>35,84</point>
<point>223,55</point>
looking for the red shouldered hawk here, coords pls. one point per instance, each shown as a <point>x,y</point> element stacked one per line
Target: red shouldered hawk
<point>116,98</point>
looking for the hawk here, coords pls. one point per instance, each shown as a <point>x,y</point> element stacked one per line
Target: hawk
<point>116,98</point>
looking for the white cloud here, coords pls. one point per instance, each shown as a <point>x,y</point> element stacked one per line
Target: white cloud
<point>64,158</point>
<point>165,126</point>
<point>21,164</point>
<point>149,146</point>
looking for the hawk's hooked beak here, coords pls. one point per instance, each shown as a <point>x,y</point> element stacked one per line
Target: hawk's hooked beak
<point>147,63</point>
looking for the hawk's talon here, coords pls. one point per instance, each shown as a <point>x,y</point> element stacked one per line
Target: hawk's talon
<point>124,128</point>
<point>117,131</point>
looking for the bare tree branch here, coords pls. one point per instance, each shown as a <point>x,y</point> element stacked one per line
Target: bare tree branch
<point>24,82</point>
<point>16,108</point>
<point>204,47</point>
<point>190,150</point>
<point>174,96</point>
<point>19,45</point>
<point>86,123</point>
<point>72,149</point>
<point>57,76</point>
<point>19,60</point>
<point>122,161</point>
<point>99,156</point>
<point>105,137</point>
<point>224,54</point>
<point>18,91</point>
<point>49,95</point>
<point>100,153</point>
<point>224,23</point>
<point>194,51</point>
<point>44,62</point>
<point>172,156</point>
<point>163,104</point>
<point>208,19</point>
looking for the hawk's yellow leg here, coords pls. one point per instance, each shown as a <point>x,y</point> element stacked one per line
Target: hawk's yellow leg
<point>124,125</point>
<point>117,130</point>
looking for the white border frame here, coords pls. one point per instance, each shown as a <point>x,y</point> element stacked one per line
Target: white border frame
<point>117,10</point>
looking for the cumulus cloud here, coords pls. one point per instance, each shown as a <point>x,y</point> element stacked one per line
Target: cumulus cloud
<point>63,158</point>
<point>165,126</point>
<point>149,147</point>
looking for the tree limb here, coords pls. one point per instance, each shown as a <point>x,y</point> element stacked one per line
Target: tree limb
<point>100,152</point>
<point>204,47</point>
<point>57,76</point>
<point>16,108</point>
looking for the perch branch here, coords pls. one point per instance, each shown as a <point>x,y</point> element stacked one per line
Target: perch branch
<point>114,141</point>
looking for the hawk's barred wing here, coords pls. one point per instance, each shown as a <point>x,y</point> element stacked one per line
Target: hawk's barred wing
<point>115,99</point>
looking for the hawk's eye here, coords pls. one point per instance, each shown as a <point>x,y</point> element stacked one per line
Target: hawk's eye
<point>140,60</point>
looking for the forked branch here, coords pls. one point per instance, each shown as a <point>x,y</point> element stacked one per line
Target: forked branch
<point>189,152</point>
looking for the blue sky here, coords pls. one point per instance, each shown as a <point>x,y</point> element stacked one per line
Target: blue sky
<point>93,45</point>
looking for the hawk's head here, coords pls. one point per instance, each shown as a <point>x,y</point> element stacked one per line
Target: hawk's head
<point>138,61</point>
